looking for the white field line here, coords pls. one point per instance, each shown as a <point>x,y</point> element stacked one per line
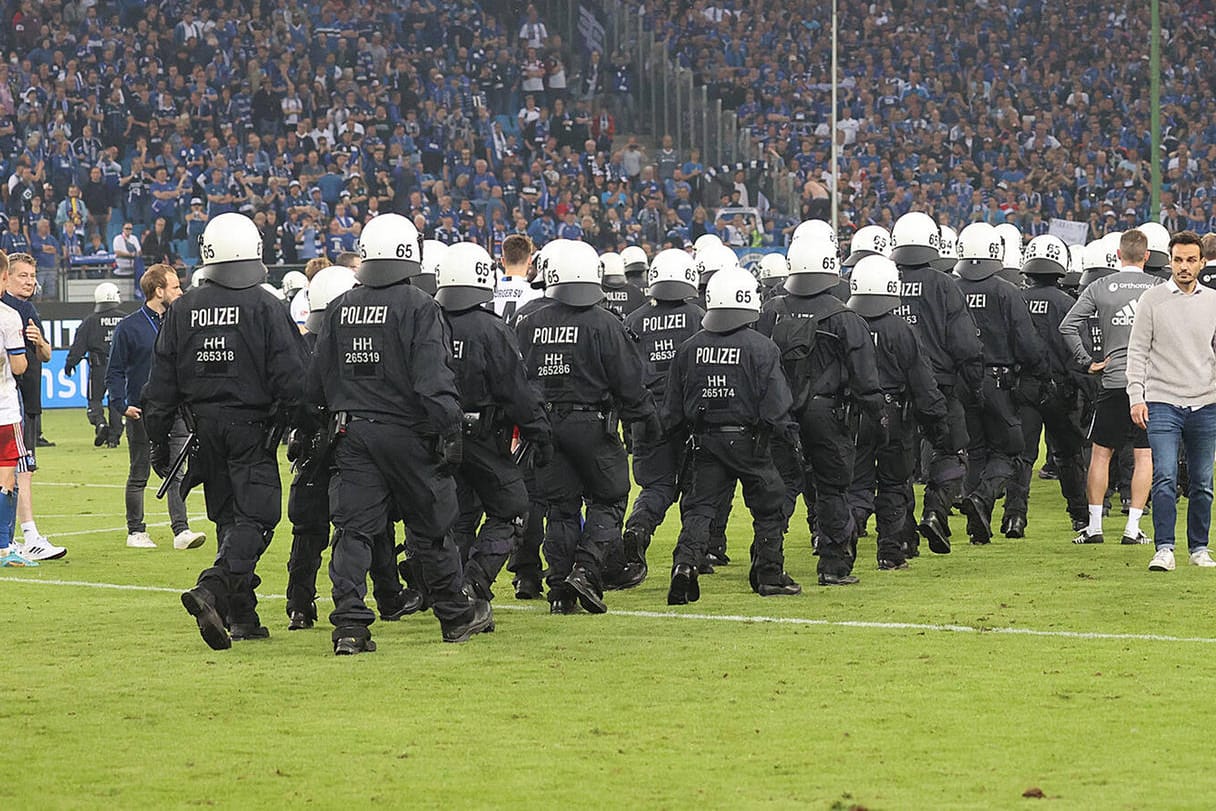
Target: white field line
<point>123,528</point>
<point>737,618</point>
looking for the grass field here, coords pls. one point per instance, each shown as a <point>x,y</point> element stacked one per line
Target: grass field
<point>1030,665</point>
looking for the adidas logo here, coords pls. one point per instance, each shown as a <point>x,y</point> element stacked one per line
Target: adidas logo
<point>1126,316</point>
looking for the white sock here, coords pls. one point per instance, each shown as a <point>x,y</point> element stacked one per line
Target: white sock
<point>30,530</point>
<point>1133,522</point>
<point>1095,520</point>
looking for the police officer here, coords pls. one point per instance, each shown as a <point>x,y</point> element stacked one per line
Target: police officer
<point>869,240</point>
<point>636,265</point>
<point>383,362</point>
<point>727,388</point>
<point>495,396</point>
<point>1011,346</point>
<point>709,260</point>
<point>294,283</point>
<point>772,272</point>
<point>93,339</point>
<point>1157,262</point>
<point>886,446</point>
<point>619,295</point>
<point>947,250</point>
<point>229,351</point>
<point>588,371</point>
<point>669,319</point>
<point>310,450</point>
<point>525,562</point>
<point>1011,254</point>
<point>828,358</point>
<point>1048,404</point>
<point>934,307</point>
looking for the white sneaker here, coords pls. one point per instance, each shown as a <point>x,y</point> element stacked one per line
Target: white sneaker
<point>41,548</point>
<point>189,539</point>
<point>1202,558</point>
<point>140,540</point>
<point>1163,561</point>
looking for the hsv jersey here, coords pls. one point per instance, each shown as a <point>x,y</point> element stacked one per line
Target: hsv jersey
<point>512,293</point>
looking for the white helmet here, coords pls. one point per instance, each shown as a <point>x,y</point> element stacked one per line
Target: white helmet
<point>673,276</point>
<point>1158,245</point>
<point>874,286</point>
<point>540,262</point>
<point>813,267</point>
<point>947,250</point>
<point>1101,258</point>
<point>390,251</point>
<point>980,249</point>
<point>1111,240</point>
<point>274,291</point>
<point>573,274</point>
<point>231,247</point>
<point>635,260</point>
<point>773,269</point>
<point>106,293</point>
<point>614,269</point>
<point>293,282</point>
<point>1012,239</point>
<point>326,285</point>
<point>1076,258</point>
<point>732,300</point>
<point>870,240</point>
<point>1046,255</point>
<point>432,254</point>
<point>465,277</point>
<point>916,239</point>
<point>715,258</point>
<point>299,307</point>
<point>816,230</point>
<point>704,241</point>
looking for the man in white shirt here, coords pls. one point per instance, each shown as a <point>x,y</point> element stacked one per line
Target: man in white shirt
<point>126,250</point>
<point>514,290</point>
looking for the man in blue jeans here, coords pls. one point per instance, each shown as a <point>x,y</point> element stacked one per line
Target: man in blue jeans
<point>1171,384</point>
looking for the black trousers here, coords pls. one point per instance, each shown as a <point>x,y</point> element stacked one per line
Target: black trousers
<point>722,460</point>
<point>1059,419</point>
<point>656,466</point>
<point>243,493</point>
<point>945,471</point>
<point>828,456</point>
<point>589,467</point>
<point>525,558</point>
<point>308,511</point>
<point>882,477</point>
<point>381,467</point>
<point>490,483</point>
<point>995,430</point>
<point>97,410</point>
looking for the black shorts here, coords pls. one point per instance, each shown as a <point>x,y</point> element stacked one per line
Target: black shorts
<point>1112,425</point>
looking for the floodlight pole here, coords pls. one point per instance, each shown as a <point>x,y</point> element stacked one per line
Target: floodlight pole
<point>1154,67</point>
<point>832,132</point>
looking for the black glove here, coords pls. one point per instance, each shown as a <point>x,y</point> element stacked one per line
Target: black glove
<point>542,452</point>
<point>69,370</point>
<point>159,457</point>
<point>651,429</point>
<point>297,444</point>
<point>451,451</point>
<point>1049,391</point>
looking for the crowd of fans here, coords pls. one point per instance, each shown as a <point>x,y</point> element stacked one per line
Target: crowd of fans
<point>477,120</point>
<point>1018,111</point>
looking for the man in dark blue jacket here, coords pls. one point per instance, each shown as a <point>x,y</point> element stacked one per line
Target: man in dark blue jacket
<point>130,362</point>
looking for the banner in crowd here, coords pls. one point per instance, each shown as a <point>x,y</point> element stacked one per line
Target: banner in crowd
<point>749,258</point>
<point>591,30</point>
<point>1071,231</point>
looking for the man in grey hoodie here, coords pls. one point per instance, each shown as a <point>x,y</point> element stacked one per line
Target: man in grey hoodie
<point>1113,299</point>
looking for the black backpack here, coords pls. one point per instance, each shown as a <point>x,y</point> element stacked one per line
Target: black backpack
<point>795,335</point>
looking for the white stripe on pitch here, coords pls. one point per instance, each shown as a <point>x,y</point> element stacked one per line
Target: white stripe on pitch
<point>739,618</point>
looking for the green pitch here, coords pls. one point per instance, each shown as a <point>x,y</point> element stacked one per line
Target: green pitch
<point>1027,666</point>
